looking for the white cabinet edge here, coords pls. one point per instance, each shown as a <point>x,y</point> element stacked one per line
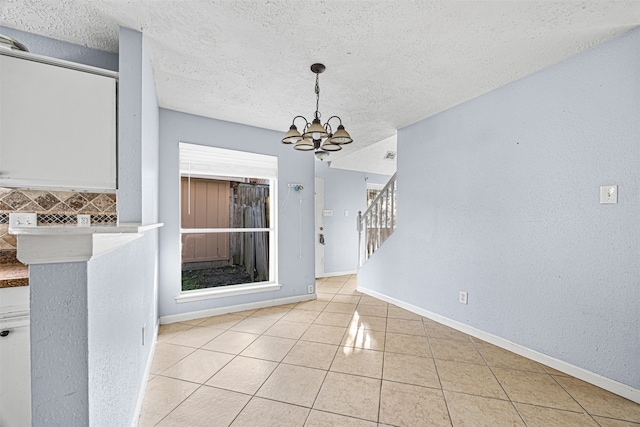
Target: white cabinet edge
<point>60,63</point>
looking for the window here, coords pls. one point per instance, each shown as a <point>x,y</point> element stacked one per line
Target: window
<point>227,219</point>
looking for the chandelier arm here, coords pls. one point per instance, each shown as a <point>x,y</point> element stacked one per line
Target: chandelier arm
<point>334,117</point>
<point>293,122</point>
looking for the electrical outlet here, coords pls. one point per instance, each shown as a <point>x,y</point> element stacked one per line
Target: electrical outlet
<point>310,289</point>
<point>23,220</point>
<point>462,297</point>
<point>84,220</point>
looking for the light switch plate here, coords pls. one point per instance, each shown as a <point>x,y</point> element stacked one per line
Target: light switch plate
<point>608,194</point>
<point>327,212</point>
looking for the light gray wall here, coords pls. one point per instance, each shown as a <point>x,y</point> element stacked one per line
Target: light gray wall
<point>120,301</point>
<point>343,190</point>
<point>150,142</point>
<point>138,132</point>
<point>295,237</point>
<point>130,126</point>
<point>123,284</point>
<point>47,46</point>
<point>499,197</point>
<point>59,345</point>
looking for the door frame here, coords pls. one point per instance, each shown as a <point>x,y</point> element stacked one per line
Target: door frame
<point>319,226</point>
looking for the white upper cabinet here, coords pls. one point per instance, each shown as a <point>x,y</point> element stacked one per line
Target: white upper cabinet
<point>57,127</point>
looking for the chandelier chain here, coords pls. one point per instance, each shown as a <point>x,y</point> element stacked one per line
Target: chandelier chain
<point>317,115</point>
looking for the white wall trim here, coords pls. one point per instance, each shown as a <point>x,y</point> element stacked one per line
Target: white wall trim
<point>226,291</point>
<point>145,377</point>
<point>173,318</point>
<point>598,380</point>
<point>339,273</point>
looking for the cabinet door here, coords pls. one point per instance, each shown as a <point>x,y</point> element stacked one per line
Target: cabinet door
<point>57,127</point>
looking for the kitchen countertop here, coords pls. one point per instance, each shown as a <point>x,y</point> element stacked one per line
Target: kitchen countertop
<point>12,275</point>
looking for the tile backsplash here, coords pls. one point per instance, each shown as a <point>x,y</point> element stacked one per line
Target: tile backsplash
<point>54,208</point>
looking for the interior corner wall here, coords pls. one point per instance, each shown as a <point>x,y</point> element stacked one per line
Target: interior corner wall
<point>295,209</point>
<point>138,132</point>
<point>499,197</point>
<point>130,126</point>
<point>344,190</point>
<point>46,46</point>
<point>150,142</point>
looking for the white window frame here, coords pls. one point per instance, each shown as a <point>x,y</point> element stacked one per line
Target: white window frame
<point>232,164</point>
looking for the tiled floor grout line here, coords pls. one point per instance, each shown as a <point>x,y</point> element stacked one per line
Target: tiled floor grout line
<point>475,345</point>
<point>444,398</point>
<point>326,372</point>
<point>350,297</point>
<point>238,355</point>
<point>576,400</point>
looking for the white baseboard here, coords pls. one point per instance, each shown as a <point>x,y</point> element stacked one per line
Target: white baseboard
<point>173,318</point>
<point>145,377</point>
<point>338,273</point>
<point>598,380</point>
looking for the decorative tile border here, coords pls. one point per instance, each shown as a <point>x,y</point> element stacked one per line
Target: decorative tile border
<point>64,219</point>
<point>54,208</point>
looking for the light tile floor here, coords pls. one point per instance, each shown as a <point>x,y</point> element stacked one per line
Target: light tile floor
<point>348,359</point>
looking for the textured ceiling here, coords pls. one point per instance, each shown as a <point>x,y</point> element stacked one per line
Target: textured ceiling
<point>389,63</point>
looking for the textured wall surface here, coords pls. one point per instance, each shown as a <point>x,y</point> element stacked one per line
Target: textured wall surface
<point>121,299</point>
<point>150,149</point>
<point>59,346</point>
<point>500,197</point>
<point>295,219</point>
<point>123,284</point>
<point>46,46</point>
<point>343,190</point>
<point>130,117</point>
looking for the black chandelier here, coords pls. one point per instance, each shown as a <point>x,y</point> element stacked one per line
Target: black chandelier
<point>315,136</point>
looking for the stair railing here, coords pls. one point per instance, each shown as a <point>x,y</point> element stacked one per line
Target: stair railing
<point>378,222</point>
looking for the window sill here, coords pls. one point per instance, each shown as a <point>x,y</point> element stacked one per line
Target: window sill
<point>227,291</point>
